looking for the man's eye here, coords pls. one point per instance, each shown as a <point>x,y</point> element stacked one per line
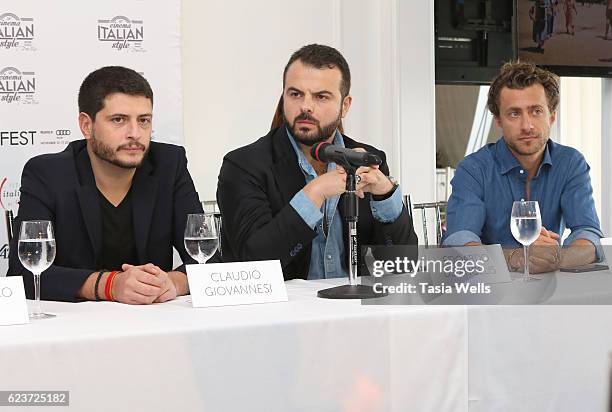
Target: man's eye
<point>294,94</point>
<point>145,121</point>
<point>323,97</point>
<point>117,120</point>
<point>538,111</point>
<point>514,114</point>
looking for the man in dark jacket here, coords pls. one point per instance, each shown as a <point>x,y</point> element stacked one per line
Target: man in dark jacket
<point>118,201</point>
<point>278,202</point>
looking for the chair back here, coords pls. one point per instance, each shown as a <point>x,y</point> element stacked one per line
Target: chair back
<point>438,207</point>
<point>211,206</point>
<point>9,219</point>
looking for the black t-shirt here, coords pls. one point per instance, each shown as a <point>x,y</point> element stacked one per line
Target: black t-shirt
<point>118,246</point>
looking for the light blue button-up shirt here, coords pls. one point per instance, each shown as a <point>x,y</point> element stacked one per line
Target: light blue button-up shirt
<point>487,182</point>
<point>328,257</point>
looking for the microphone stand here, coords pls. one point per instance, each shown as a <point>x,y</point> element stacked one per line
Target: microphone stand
<point>351,215</point>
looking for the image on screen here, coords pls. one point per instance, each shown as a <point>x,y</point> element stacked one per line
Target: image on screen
<point>571,33</point>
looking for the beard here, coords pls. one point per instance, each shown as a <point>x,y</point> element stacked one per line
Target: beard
<point>108,154</point>
<point>306,136</point>
<point>533,148</point>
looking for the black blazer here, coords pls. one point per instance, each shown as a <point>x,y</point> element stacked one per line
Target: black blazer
<point>256,184</point>
<point>60,187</point>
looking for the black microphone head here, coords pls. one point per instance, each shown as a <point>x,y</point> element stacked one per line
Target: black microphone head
<point>315,152</point>
<point>372,159</point>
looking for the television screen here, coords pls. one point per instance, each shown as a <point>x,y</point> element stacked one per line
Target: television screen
<point>570,37</point>
<point>473,38</point>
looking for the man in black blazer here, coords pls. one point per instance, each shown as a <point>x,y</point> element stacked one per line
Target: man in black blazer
<point>118,201</point>
<point>277,202</point>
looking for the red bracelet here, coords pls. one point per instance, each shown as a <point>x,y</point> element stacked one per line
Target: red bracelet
<point>108,289</point>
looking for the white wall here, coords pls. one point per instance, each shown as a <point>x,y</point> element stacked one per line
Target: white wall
<point>233,58</point>
<point>606,153</point>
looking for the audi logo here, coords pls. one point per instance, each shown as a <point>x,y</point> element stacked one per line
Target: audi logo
<point>62,132</point>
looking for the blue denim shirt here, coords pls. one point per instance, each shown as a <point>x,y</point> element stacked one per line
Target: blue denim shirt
<point>487,182</point>
<point>328,257</point>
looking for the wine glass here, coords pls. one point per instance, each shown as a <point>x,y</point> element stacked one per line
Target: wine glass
<point>36,250</point>
<point>201,236</point>
<point>526,224</point>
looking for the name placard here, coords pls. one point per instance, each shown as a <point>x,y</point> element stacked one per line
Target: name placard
<point>13,307</point>
<point>237,283</point>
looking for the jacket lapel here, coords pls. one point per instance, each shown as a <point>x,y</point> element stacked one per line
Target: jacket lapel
<point>287,172</point>
<point>89,200</point>
<point>144,192</point>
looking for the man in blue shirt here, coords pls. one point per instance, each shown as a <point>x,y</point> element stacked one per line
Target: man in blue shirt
<point>525,165</point>
<point>278,202</point>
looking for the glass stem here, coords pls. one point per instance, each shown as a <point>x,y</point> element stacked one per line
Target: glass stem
<point>526,248</point>
<point>36,308</point>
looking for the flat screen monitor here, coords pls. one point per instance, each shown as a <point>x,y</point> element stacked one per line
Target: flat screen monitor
<point>566,36</point>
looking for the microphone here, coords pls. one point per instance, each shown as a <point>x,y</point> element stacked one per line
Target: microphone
<point>326,153</point>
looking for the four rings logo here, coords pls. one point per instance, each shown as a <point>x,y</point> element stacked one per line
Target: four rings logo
<point>122,33</point>
<point>62,133</point>
<point>17,86</point>
<point>16,32</point>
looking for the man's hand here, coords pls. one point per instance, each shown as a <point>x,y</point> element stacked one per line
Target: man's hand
<point>325,186</point>
<point>137,286</point>
<point>167,290</point>
<point>544,254</point>
<point>372,180</point>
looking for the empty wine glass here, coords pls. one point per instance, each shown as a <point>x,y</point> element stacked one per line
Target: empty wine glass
<point>526,224</point>
<point>201,236</point>
<point>36,250</point>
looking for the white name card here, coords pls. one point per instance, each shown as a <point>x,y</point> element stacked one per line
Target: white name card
<point>13,307</point>
<point>238,283</point>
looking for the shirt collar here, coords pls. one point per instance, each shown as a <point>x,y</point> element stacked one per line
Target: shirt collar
<point>508,162</point>
<point>303,162</point>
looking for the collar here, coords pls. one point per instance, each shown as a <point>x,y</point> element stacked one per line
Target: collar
<point>507,162</point>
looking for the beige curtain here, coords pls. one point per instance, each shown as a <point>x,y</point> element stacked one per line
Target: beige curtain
<point>580,124</point>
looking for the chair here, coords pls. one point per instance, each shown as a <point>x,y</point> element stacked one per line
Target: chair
<point>439,207</point>
<point>211,206</point>
<point>8,215</point>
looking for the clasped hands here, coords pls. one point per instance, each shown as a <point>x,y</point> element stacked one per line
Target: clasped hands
<point>333,183</point>
<point>544,254</point>
<point>143,284</point>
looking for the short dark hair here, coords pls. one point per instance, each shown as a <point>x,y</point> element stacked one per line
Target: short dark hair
<point>320,56</point>
<point>108,80</point>
<point>520,75</point>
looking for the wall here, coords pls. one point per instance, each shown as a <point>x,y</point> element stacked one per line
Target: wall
<point>234,54</point>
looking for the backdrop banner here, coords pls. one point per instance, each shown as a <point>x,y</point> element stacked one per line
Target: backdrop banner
<point>47,49</point>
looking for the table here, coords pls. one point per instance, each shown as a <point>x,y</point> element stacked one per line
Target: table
<point>313,354</point>
<point>307,354</point>
<point>553,358</point>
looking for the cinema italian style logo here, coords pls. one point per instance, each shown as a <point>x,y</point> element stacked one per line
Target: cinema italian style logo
<point>122,33</point>
<point>16,33</point>
<point>9,194</point>
<point>17,87</point>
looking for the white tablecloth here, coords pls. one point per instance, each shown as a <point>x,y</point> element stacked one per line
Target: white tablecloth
<point>307,354</point>
<point>544,358</point>
<point>313,354</point>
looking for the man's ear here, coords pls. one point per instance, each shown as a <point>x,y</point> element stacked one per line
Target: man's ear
<point>346,105</point>
<point>553,117</point>
<point>86,125</point>
<point>497,122</point>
